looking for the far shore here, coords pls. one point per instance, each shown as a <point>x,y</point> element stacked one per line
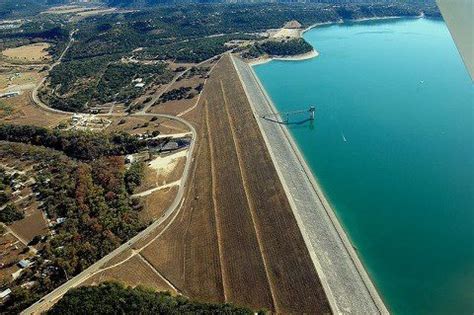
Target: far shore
<point>314,53</point>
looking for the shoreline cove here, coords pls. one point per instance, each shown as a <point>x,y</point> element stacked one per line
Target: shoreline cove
<point>346,282</point>
<point>314,52</point>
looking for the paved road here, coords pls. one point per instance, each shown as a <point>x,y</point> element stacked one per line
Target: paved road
<point>48,300</point>
<point>344,279</point>
<point>34,94</point>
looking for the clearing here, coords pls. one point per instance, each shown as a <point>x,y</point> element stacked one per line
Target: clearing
<point>22,111</point>
<point>28,53</point>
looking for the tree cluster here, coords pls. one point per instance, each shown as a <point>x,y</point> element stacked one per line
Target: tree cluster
<point>134,176</point>
<point>290,47</point>
<point>92,199</point>
<point>114,298</point>
<point>175,94</point>
<point>83,145</point>
<point>10,214</point>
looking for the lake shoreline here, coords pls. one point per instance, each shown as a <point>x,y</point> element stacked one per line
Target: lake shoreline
<point>314,52</point>
<point>309,55</point>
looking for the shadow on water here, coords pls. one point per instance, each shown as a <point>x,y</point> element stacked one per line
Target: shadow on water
<point>303,122</point>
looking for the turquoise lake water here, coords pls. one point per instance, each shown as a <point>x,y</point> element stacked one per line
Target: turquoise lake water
<point>393,148</point>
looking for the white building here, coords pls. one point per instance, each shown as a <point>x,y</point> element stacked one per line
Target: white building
<point>24,263</point>
<point>4,294</point>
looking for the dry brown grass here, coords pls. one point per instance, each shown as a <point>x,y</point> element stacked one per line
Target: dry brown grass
<point>289,265</point>
<point>236,225</point>
<point>19,80</point>
<point>24,112</point>
<point>119,258</point>
<point>32,224</point>
<point>148,181</point>
<point>133,272</point>
<point>143,124</point>
<point>28,53</point>
<point>65,9</point>
<point>79,10</point>
<point>178,106</point>
<point>187,253</point>
<point>157,202</point>
<point>152,178</point>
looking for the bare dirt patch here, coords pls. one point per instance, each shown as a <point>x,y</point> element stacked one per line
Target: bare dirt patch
<point>171,171</point>
<point>32,224</point>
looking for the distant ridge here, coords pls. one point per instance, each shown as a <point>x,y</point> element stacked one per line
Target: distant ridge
<point>147,3</point>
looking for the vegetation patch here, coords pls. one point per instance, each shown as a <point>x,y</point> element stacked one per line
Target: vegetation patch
<point>115,298</point>
<point>89,210</point>
<point>84,145</point>
<point>292,47</point>
<point>5,110</point>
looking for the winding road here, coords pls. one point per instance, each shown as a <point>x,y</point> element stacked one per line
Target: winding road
<point>48,300</point>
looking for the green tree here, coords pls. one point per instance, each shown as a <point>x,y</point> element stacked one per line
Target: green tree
<point>10,214</point>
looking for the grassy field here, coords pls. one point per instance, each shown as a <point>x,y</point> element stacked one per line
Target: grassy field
<point>140,125</point>
<point>294,276</point>
<point>18,79</point>
<point>194,77</point>
<point>28,53</point>
<point>22,111</point>
<point>133,272</point>
<point>157,202</point>
<point>236,229</point>
<point>188,251</point>
<point>175,107</point>
<point>32,225</point>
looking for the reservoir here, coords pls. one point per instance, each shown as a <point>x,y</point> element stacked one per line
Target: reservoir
<point>392,146</point>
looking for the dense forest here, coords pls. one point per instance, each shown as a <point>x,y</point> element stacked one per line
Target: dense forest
<point>107,80</point>
<point>84,145</point>
<point>290,47</point>
<point>114,298</point>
